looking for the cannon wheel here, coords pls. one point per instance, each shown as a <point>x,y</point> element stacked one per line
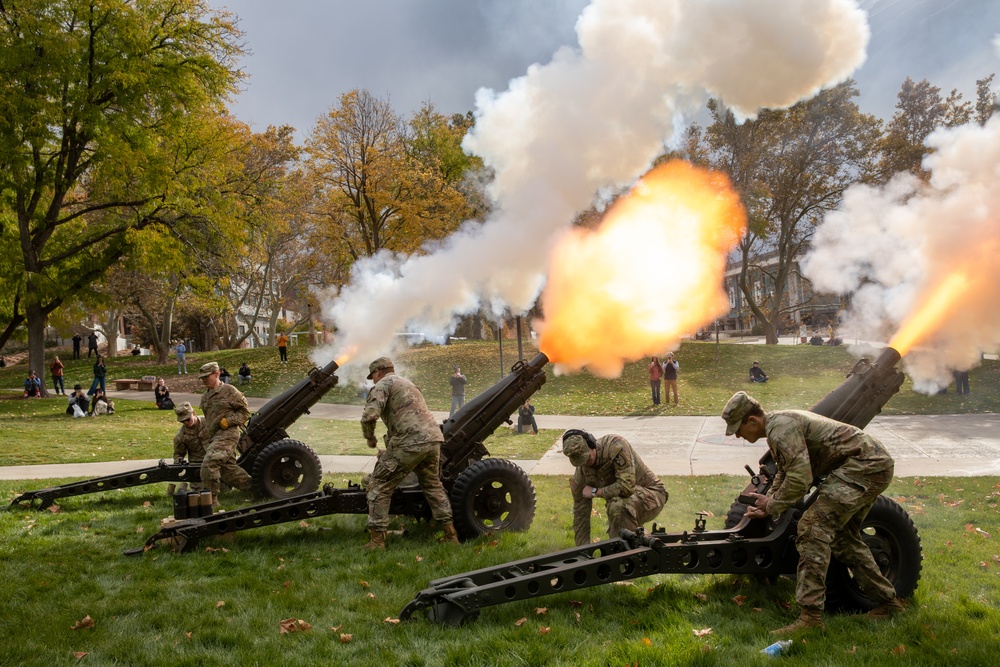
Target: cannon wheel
<point>492,495</point>
<point>890,534</point>
<point>286,468</point>
<point>736,512</point>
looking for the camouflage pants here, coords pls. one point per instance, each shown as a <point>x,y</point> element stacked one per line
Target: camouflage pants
<point>642,506</point>
<point>832,525</point>
<point>220,463</point>
<point>392,467</point>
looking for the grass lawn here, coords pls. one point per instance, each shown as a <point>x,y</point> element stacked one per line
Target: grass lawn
<point>710,373</point>
<point>223,603</point>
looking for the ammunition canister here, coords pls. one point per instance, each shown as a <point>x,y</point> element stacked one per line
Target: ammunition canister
<point>206,503</point>
<point>180,505</point>
<point>194,504</point>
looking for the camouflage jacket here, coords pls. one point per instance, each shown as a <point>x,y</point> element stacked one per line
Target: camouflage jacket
<point>402,408</point>
<point>190,442</point>
<point>224,401</point>
<point>807,446</point>
<point>617,471</point>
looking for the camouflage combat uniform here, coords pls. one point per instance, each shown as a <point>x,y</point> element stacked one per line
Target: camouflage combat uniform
<point>855,468</point>
<point>190,442</point>
<point>225,401</point>
<point>634,495</point>
<point>413,444</point>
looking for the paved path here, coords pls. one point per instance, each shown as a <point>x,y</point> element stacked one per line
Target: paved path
<point>925,445</point>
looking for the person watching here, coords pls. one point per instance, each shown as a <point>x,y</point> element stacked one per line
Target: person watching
<point>757,373</point>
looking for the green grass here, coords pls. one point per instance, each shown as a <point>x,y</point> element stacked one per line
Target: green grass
<point>710,373</point>
<point>163,608</point>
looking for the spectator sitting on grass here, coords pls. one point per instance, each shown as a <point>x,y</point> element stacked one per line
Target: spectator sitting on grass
<point>244,374</point>
<point>223,375</point>
<point>757,373</point>
<point>101,405</point>
<point>78,402</point>
<point>32,386</point>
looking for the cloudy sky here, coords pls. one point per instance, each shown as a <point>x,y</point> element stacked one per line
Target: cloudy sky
<point>305,53</point>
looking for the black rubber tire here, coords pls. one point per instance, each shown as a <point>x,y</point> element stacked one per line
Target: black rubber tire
<point>492,495</point>
<point>284,469</point>
<point>890,534</point>
<point>736,512</point>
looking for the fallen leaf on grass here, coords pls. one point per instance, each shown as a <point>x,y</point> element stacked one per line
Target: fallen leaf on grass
<point>419,558</point>
<point>984,564</point>
<point>996,559</point>
<point>294,625</point>
<point>519,622</point>
<point>701,596</point>
<point>139,529</point>
<point>576,616</point>
<point>337,628</point>
<point>701,633</point>
<point>982,532</point>
<point>220,603</point>
<point>188,635</point>
<point>783,604</point>
<point>646,641</point>
<point>303,524</point>
<point>370,596</point>
<point>623,583</point>
<point>756,609</point>
<point>852,650</point>
<point>80,655</point>
<point>544,630</point>
<point>390,619</point>
<point>54,509</point>
<point>739,600</point>
<point>85,622</point>
<point>147,504</point>
<point>364,583</point>
<point>899,650</point>
<point>541,610</point>
<point>346,639</point>
<point>575,603</point>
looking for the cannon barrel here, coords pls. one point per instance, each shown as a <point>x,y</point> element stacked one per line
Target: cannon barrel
<point>269,423</point>
<point>475,421</point>
<point>864,393</point>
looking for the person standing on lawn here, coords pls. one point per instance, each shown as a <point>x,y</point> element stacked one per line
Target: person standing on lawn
<point>283,347</point>
<point>457,382</point>
<point>225,410</point>
<point>77,339</point>
<point>853,469</point>
<point>655,373</point>
<point>412,444</point>
<point>609,468</point>
<point>181,350</point>
<point>58,385</point>
<point>92,344</point>
<point>670,369</point>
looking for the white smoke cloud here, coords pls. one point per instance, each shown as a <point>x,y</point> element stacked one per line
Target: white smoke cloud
<point>893,246</point>
<point>594,117</point>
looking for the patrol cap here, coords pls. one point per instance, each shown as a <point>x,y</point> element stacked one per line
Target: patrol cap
<point>736,409</point>
<point>576,448</point>
<point>379,364</point>
<point>184,412</point>
<point>208,369</point>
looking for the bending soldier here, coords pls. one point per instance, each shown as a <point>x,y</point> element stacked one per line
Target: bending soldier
<point>853,468</point>
<point>608,468</point>
<point>412,444</point>
<point>225,410</point>
<point>191,437</point>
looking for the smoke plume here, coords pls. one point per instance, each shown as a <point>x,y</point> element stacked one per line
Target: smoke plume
<point>593,118</point>
<point>923,257</point>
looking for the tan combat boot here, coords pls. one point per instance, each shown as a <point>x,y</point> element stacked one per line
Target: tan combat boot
<point>377,539</point>
<point>450,536</point>
<point>886,610</point>
<point>808,619</point>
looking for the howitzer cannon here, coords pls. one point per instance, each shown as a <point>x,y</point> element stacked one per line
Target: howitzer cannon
<point>763,547</point>
<point>486,494</point>
<point>279,466</point>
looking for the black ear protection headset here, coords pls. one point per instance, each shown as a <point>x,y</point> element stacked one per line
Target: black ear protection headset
<point>591,440</point>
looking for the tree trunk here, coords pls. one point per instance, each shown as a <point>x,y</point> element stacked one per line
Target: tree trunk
<point>36,342</point>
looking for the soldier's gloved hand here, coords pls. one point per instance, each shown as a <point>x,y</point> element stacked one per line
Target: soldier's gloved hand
<point>760,503</point>
<point>223,424</point>
<point>373,442</point>
<point>178,461</point>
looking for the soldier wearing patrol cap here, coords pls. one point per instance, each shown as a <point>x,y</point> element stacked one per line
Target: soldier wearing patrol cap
<point>851,469</point>
<point>191,437</point>
<point>608,468</point>
<point>412,444</point>
<point>225,410</point>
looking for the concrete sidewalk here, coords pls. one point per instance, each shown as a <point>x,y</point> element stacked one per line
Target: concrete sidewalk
<point>924,445</point>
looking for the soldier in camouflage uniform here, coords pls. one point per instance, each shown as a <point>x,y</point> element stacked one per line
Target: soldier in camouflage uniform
<point>608,468</point>
<point>225,410</point>
<point>852,469</point>
<point>191,437</point>
<point>412,444</point>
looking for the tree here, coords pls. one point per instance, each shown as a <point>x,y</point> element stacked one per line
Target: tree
<point>377,188</point>
<point>105,110</point>
<point>791,167</point>
<point>986,100</point>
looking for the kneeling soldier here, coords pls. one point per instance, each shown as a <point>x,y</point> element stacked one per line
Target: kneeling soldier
<point>225,410</point>
<point>853,469</point>
<point>608,468</point>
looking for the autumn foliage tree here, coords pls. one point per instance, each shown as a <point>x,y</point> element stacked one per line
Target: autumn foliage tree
<point>106,115</point>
